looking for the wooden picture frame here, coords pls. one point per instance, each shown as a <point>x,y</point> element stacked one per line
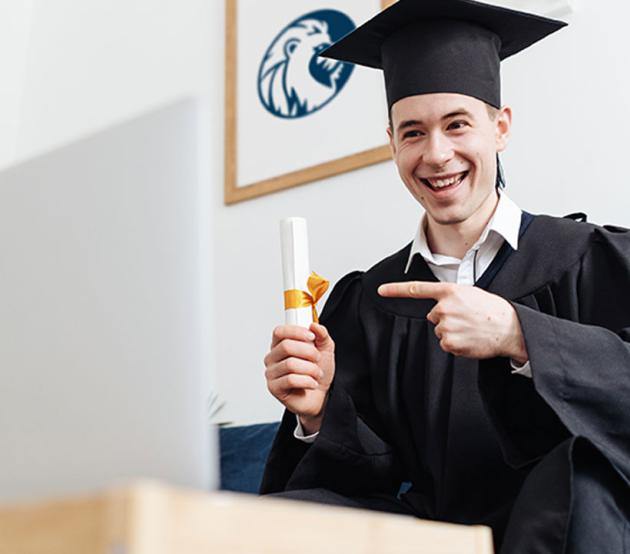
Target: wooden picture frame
<point>235,192</point>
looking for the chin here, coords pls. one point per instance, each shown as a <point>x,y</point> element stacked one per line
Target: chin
<point>446,218</point>
<point>449,221</point>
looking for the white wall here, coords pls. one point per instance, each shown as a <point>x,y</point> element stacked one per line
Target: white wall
<point>92,63</point>
<point>568,146</point>
<point>15,25</point>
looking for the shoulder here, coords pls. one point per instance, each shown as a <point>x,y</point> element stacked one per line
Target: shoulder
<point>554,247</point>
<point>610,245</point>
<point>564,230</point>
<point>576,237</point>
<point>593,288</point>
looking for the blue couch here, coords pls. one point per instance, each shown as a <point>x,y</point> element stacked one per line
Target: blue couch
<point>244,451</point>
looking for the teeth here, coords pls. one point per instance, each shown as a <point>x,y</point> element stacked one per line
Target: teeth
<point>441,183</point>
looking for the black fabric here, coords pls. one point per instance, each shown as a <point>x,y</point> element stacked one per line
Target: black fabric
<point>376,502</point>
<point>600,506</point>
<point>537,526</point>
<point>469,434</point>
<point>503,254</point>
<point>433,46</point>
<point>586,508</point>
<point>448,56</point>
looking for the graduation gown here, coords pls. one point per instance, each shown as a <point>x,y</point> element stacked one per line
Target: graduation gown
<point>477,443</point>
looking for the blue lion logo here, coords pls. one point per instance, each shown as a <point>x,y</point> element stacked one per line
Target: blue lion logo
<point>293,81</point>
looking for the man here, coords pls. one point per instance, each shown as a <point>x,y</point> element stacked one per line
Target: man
<point>487,363</point>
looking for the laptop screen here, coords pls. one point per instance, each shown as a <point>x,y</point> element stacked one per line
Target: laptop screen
<point>104,315</point>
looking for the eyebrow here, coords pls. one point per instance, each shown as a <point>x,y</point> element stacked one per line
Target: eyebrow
<point>413,122</point>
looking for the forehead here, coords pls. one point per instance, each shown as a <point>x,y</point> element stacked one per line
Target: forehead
<point>433,107</point>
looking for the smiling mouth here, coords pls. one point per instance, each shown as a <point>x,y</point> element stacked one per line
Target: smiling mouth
<point>444,182</point>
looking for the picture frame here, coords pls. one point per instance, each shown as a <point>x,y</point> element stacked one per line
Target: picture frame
<point>269,143</point>
<point>268,148</point>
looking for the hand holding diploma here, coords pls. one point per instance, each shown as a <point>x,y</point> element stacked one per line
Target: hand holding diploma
<point>300,368</point>
<point>468,321</point>
<point>301,363</point>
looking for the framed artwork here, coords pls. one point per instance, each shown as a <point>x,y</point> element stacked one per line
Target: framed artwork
<point>292,117</point>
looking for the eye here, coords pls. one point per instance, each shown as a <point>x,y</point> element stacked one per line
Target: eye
<point>412,134</point>
<point>457,125</point>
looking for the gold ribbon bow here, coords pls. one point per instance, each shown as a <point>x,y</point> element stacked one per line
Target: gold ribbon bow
<point>295,298</point>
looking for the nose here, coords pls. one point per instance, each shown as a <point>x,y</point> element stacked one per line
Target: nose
<point>439,150</point>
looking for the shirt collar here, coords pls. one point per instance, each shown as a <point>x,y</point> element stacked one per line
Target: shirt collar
<point>505,222</point>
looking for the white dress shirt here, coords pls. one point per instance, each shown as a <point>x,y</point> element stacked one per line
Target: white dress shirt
<point>504,226</point>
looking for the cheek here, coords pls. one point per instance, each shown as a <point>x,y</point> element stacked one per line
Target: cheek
<point>416,191</point>
<point>477,154</point>
<point>406,159</point>
<point>485,152</point>
<point>417,194</point>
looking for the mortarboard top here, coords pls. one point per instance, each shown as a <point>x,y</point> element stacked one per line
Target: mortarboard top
<point>426,46</point>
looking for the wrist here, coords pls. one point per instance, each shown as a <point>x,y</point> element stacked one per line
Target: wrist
<point>519,359</point>
<point>515,348</point>
<point>311,424</point>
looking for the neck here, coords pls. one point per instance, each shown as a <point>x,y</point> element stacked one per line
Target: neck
<point>455,239</point>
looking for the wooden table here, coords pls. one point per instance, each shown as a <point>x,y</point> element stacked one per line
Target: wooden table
<point>152,518</point>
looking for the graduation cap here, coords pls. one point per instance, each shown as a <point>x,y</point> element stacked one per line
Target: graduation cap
<point>427,46</point>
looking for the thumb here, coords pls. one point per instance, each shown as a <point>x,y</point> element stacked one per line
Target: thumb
<point>323,339</point>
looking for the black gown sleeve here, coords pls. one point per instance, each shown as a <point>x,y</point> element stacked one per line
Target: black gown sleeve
<point>579,351</point>
<point>347,456</point>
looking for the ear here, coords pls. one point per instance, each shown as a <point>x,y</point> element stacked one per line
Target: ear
<point>392,145</point>
<point>503,127</point>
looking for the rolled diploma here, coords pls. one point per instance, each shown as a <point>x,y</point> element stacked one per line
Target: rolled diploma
<point>295,266</point>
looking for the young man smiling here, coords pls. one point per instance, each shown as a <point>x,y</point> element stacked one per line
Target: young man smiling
<point>486,365</point>
<point>445,147</point>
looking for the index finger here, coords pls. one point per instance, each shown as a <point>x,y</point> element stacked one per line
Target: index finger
<point>294,332</point>
<point>414,289</point>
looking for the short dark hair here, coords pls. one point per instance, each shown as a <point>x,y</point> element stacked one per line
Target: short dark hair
<point>492,111</point>
<point>500,182</point>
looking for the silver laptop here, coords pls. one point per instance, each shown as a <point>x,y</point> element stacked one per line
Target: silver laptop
<point>104,317</point>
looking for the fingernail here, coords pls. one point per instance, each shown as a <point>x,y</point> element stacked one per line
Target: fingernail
<point>321,374</point>
<point>310,336</point>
